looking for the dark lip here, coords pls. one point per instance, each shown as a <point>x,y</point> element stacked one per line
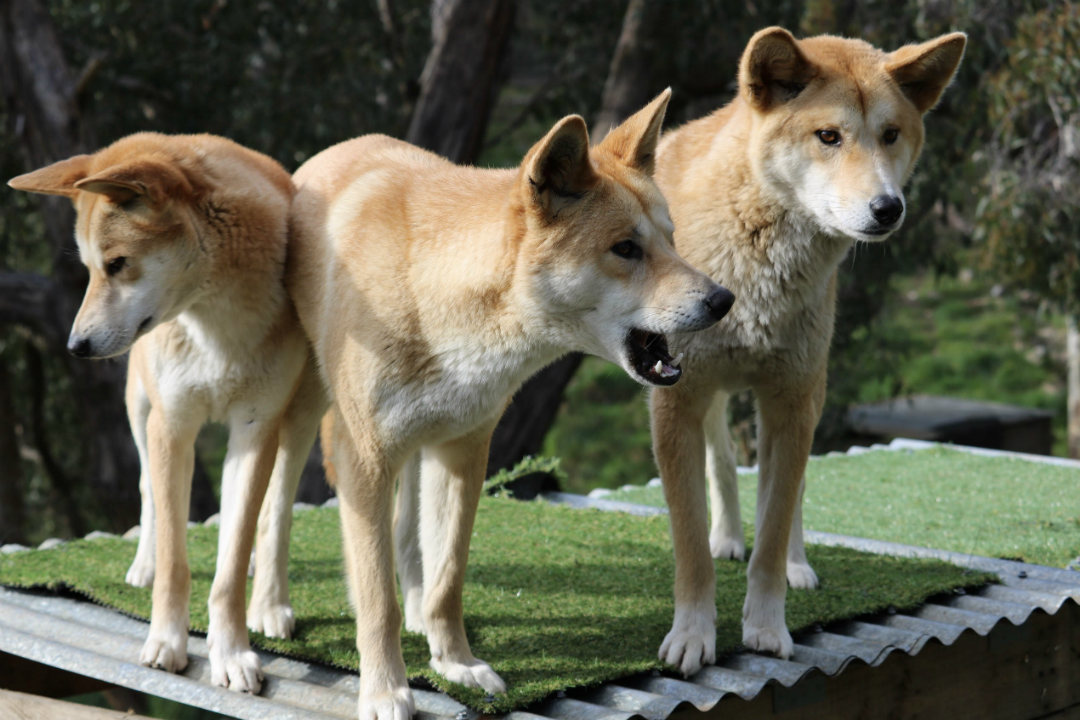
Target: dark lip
<point>644,349</point>
<point>144,324</point>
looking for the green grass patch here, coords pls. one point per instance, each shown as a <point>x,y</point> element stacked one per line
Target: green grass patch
<point>961,338</point>
<point>939,498</point>
<point>556,597</point>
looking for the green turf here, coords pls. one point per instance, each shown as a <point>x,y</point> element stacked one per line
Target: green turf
<point>556,597</point>
<point>940,498</point>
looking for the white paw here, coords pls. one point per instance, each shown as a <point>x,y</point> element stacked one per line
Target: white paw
<point>141,573</point>
<point>691,642</point>
<point>414,610</point>
<point>274,620</point>
<point>726,547</point>
<point>475,673</point>
<point>236,668</point>
<point>166,651</point>
<point>396,704</point>
<point>801,576</point>
<point>774,640</point>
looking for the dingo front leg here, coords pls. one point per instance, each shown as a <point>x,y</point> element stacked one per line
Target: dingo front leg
<point>171,450</point>
<point>452,477</point>
<point>726,533</point>
<point>248,462</point>
<point>365,483</point>
<point>679,446</point>
<point>786,431</point>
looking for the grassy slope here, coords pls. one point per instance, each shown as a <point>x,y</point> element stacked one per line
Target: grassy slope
<point>555,597</point>
<point>965,338</point>
<point>997,507</point>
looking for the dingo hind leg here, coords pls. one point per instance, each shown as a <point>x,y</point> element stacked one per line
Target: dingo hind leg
<point>269,610</point>
<point>409,560</point>
<point>726,532</point>
<point>799,573</point>
<point>452,478</point>
<point>141,572</point>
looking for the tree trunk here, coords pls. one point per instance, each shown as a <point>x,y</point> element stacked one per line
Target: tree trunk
<point>39,92</point>
<point>637,73</point>
<point>12,510</point>
<point>1072,359</point>
<point>635,77</point>
<point>530,415</point>
<point>459,82</point>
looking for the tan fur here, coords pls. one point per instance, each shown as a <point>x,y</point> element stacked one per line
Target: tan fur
<point>185,238</point>
<point>764,205</point>
<point>431,292</point>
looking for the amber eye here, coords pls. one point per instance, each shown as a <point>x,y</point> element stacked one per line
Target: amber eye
<point>890,135</point>
<point>627,249</point>
<point>829,137</point>
<point>115,265</point>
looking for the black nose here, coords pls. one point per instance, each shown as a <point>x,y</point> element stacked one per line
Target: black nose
<point>887,209</point>
<point>719,301</point>
<point>79,346</point>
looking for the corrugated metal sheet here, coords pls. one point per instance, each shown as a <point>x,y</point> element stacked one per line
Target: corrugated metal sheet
<point>90,640</point>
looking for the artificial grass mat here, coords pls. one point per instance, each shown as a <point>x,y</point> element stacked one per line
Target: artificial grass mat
<point>941,498</point>
<point>556,597</point>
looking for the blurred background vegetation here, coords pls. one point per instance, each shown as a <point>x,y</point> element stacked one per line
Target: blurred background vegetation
<point>971,299</point>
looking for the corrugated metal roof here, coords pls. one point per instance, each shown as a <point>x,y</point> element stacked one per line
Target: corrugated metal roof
<point>97,642</point>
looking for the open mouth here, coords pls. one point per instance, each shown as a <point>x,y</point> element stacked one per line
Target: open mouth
<point>650,359</point>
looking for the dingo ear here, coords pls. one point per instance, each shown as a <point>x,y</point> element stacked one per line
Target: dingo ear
<point>773,70</point>
<point>150,180</point>
<point>56,179</point>
<point>557,169</point>
<point>634,141</point>
<point>923,71</point>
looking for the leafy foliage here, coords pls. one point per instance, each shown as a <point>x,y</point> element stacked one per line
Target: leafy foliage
<point>290,80</point>
<point>1029,218</point>
<point>285,79</point>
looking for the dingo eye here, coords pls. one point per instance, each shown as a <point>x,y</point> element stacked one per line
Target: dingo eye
<point>627,249</point>
<point>115,265</point>
<point>829,137</point>
<point>890,135</point>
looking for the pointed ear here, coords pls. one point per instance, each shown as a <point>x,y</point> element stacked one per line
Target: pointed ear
<point>557,169</point>
<point>56,179</point>
<point>773,69</point>
<point>153,181</point>
<point>635,140</point>
<point>923,71</point>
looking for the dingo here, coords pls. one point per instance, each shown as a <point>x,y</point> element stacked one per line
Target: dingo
<point>768,194</point>
<point>430,293</point>
<point>185,239</point>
